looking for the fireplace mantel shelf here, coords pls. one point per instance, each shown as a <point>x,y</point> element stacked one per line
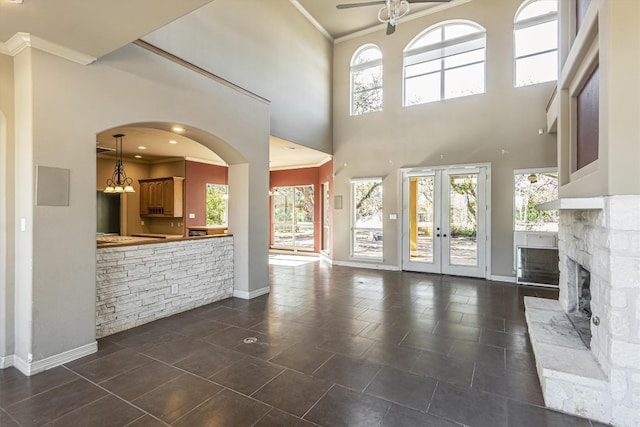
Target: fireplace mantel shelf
<point>583,203</point>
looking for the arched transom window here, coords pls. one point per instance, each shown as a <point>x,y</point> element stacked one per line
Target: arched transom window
<point>446,61</point>
<point>535,36</point>
<point>366,80</point>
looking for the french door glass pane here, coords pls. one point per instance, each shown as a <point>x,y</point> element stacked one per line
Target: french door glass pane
<point>293,217</point>
<point>421,221</point>
<point>303,221</point>
<point>325,217</point>
<point>463,220</point>
<point>283,216</point>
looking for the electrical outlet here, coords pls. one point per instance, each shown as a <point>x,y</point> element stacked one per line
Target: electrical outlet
<point>172,224</point>
<point>141,222</point>
<point>174,288</point>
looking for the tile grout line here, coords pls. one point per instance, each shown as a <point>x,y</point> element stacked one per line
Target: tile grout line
<point>268,382</point>
<point>317,401</point>
<point>117,397</point>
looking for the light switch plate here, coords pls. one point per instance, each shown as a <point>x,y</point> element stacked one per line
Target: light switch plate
<point>393,216</point>
<point>192,215</point>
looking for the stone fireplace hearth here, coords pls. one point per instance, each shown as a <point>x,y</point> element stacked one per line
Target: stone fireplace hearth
<point>600,378</point>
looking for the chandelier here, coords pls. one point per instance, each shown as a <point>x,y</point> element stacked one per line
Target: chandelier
<point>119,181</point>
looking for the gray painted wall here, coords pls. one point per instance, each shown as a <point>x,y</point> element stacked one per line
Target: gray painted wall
<point>72,103</point>
<point>6,214</point>
<point>473,129</point>
<point>266,47</point>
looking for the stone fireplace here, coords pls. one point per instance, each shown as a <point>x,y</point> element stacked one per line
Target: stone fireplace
<point>587,344</point>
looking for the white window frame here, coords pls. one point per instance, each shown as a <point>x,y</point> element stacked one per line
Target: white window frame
<point>355,229</point>
<point>354,68</point>
<point>528,23</point>
<point>474,41</point>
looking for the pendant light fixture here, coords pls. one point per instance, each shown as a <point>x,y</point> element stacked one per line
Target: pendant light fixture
<point>119,182</point>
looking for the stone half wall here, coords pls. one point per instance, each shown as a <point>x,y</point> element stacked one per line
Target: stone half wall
<point>134,283</point>
<point>607,243</point>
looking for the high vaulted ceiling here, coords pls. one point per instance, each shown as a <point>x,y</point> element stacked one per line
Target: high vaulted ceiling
<point>95,28</point>
<point>343,22</point>
<point>91,27</point>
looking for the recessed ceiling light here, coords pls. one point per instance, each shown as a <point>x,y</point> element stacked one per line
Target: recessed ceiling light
<point>15,1</point>
<point>291,148</point>
<point>178,129</point>
<point>142,147</point>
<point>138,156</point>
<point>173,141</point>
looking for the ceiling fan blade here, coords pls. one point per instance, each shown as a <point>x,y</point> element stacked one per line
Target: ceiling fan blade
<point>390,29</point>
<point>366,3</point>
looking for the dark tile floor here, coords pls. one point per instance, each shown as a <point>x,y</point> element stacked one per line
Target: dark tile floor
<point>335,346</point>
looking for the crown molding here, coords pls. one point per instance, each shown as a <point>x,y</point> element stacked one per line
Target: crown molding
<point>301,166</point>
<point>410,17</point>
<point>21,41</point>
<point>311,19</point>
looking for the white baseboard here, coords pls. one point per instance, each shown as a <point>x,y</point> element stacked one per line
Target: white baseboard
<point>325,258</point>
<point>32,368</point>
<point>366,265</point>
<point>6,361</point>
<point>252,294</point>
<point>509,279</point>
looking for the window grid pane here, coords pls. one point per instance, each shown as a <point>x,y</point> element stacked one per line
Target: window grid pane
<point>464,81</point>
<point>537,8</point>
<point>423,89</point>
<point>447,70</point>
<point>537,38</point>
<point>537,69</point>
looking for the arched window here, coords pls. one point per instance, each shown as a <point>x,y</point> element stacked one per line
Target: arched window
<point>366,80</point>
<point>535,37</point>
<point>444,62</point>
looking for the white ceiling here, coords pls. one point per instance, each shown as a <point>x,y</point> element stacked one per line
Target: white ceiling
<point>282,154</point>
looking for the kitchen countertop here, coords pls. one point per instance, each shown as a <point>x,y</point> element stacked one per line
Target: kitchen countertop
<point>146,238</point>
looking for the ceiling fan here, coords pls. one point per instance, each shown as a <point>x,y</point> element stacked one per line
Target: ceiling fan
<point>391,11</point>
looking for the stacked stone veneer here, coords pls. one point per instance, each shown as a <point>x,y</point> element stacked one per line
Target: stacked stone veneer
<point>133,283</point>
<point>607,243</point>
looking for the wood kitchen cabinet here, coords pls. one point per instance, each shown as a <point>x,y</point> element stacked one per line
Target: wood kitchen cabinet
<point>162,197</point>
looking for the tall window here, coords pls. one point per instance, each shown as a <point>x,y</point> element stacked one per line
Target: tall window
<point>444,62</point>
<point>366,80</point>
<point>536,42</point>
<point>533,187</point>
<point>217,205</point>
<point>366,210</point>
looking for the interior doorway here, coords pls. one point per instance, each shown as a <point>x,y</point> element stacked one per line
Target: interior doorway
<point>445,220</point>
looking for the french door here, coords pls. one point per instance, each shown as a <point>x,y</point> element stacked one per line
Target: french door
<point>444,220</point>
<point>293,217</point>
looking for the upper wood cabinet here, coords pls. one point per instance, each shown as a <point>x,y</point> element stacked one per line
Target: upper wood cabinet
<point>162,197</point>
